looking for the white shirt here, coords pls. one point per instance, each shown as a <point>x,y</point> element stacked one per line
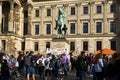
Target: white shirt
<point>99,65</point>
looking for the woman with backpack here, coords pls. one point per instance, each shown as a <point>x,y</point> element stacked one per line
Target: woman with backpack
<point>98,66</point>
<point>47,67</point>
<point>57,66</point>
<point>41,66</point>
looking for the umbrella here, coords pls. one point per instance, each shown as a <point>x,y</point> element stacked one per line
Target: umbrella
<point>105,51</point>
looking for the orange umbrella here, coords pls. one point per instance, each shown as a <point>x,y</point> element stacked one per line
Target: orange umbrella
<point>105,51</point>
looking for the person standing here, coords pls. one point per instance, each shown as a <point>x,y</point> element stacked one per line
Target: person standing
<point>47,67</point>
<point>82,63</point>
<point>21,61</point>
<point>41,66</point>
<point>98,66</point>
<point>57,67</point>
<point>72,61</point>
<point>64,63</point>
<point>4,69</point>
<point>30,61</point>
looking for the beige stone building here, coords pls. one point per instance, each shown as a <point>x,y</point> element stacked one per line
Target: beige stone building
<point>29,25</point>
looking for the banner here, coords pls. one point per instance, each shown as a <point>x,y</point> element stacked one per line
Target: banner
<point>57,51</point>
<point>49,50</point>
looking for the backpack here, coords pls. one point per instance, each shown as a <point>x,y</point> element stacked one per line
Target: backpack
<point>46,62</point>
<point>83,64</point>
<point>28,60</point>
<point>67,61</point>
<point>98,66</point>
<point>77,64</point>
<point>104,69</point>
<point>57,63</point>
<point>52,64</point>
<point>40,63</point>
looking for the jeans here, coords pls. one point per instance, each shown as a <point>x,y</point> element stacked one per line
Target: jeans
<point>56,72</point>
<point>82,75</point>
<point>41,71</point>
<point>65,68</point>
<point>30,70</point>
<point>5,78</point>
<point>94,74</point>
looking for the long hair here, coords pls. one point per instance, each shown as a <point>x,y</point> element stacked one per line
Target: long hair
<point>97,57</point>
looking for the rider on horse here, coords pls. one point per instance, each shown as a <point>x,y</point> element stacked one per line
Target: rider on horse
<point>61,22</point>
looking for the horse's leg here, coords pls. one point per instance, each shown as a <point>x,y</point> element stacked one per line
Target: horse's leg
<point>62,28</point>
<point>64,32</point>
<point>58,30</point>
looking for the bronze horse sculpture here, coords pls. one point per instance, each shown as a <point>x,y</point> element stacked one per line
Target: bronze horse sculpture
<point>61,23</point>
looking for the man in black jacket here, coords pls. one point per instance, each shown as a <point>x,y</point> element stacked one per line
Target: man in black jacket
<point>4,69</point>
<point>82,66</point>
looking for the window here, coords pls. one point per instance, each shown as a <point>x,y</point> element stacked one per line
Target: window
<point>72,28</point>
<point>37,13</point>
<point>47,45</point>
<point>99,9</point>
<point>85,10</point>
<point>4,29</point>
<point>85,27</point>
<point>113,45</point>
<point>25,28</point>
<point>112,8</point>
<point>85,45</point>
<point>25,14</point>
<point>23,46</point>
<point>36,46</point>
<point>48,12</point>
<point>112,26</point>
<point>3,45</point>
<point>99,45</point>
<point>72,46</point>
<point>36,29</point>
<point>98,27</point>
<point>48,29</point>
<point>72,10</point>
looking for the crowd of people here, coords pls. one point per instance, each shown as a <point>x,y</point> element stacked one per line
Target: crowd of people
<point>101,66</point>
<point>29,64</point>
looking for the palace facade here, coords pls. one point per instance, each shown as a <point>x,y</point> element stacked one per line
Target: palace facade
<point>29,24</point>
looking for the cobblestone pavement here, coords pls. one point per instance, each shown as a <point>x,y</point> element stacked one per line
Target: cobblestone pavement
<point>70,76</point>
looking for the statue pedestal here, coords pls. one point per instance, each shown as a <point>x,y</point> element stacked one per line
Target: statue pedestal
<point>61,44</point>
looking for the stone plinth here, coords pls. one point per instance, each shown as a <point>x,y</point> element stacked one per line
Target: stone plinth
<point>60,43</point>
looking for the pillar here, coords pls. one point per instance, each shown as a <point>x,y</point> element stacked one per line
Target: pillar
<point>78,18</point>
<point>105,24</point>
<point>91,18</point>
<point>29,19</point>
<point>0,16</point>
<point>42,9</point>
<point>10,25</point>
<point>54,10</point>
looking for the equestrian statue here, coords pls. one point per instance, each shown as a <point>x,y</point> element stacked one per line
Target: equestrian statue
<point>61,23</point>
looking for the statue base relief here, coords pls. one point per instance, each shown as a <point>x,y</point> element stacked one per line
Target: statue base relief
<point>60,43</point>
